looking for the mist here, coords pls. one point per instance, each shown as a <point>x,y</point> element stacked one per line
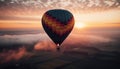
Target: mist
<point>23,49</point>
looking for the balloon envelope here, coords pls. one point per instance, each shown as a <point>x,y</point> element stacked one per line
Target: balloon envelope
<point>58,23</point>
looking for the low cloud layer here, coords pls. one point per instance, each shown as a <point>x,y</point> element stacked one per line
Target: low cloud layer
<point>14,55</point>
<point>30,43</point>
<point>25,38</point>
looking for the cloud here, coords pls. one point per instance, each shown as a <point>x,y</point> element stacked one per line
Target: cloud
<point>87,39</point>
<point>9,55</point>
<point>38,7</point>
<point>66,3</point>
<point>89,43</point>
<point>23,39</point>
<point>74,42</point>
<point>45,45</point>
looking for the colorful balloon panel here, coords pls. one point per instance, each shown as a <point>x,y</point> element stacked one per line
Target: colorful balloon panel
<point>58,24</point>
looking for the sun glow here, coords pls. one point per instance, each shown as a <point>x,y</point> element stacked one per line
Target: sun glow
<point>79,25</point>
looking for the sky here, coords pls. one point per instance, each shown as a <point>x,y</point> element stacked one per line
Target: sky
<point>27,14</point>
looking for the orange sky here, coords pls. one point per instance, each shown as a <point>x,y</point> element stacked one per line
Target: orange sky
<point>95,19</point>
<point>19,24</point>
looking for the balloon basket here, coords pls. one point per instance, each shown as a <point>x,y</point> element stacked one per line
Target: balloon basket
<point>58,47</point>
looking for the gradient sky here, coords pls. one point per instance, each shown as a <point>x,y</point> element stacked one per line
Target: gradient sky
<point>88,13</point>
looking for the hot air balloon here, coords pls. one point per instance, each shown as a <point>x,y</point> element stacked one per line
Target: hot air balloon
<point>58,24</point>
